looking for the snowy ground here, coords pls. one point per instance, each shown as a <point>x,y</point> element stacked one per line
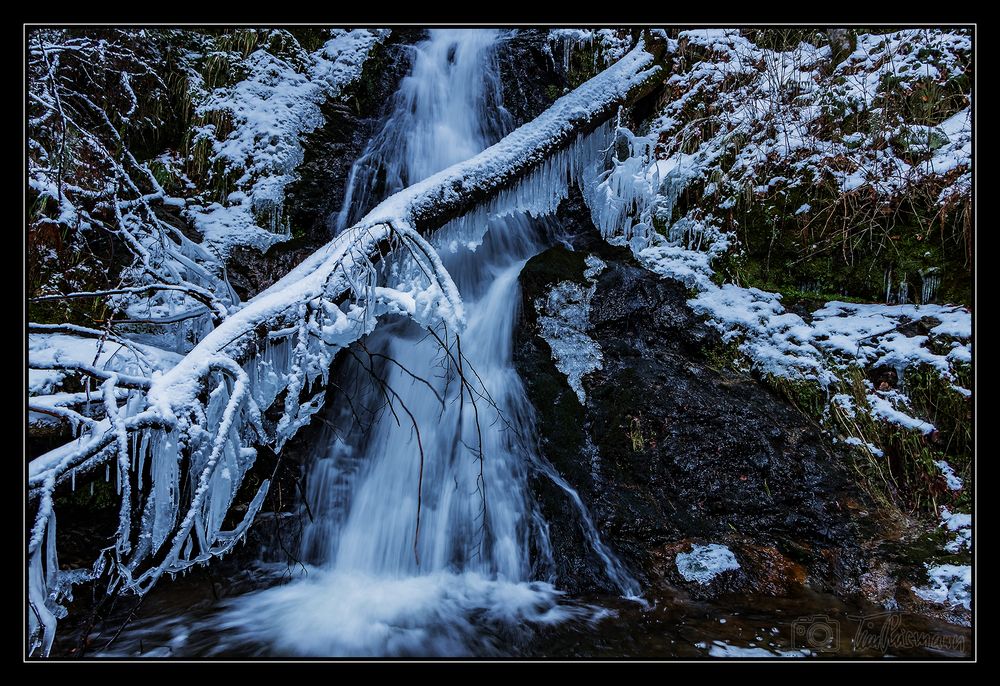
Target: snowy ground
<point>272,108</point>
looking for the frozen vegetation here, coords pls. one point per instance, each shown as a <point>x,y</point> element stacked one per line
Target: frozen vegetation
<point>180,396</point>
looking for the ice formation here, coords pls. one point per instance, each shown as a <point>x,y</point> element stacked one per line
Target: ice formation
<point>307,319</point>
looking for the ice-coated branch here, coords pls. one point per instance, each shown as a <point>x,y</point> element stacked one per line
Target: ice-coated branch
<point>202,295</point>
<point>200,419</point>
<point>82,106</point>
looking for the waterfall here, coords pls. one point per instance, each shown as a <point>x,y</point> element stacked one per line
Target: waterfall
<point>446,110</point>
<point>405,438</point>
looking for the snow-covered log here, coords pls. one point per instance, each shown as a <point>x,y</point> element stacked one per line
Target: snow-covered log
<point>201,419</point>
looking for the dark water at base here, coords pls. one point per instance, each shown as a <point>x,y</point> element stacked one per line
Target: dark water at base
<point>183,619</point>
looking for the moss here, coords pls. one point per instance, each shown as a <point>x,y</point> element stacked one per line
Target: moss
<point>847,243</point>
<point>96,495</point>
<point>585,62</point>
<point>906,475</point>
<point>618,433</point>
<point>932,396</point>
<point>635,434</point>
<point>310,39</point>
<point>722,356</point>
<point>807,396</point>
<point>363,92</point>
<point>554,265</point>
<point>927,547</point>
<point>825,254</point>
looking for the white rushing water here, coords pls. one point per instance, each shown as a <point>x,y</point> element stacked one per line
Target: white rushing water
<point>477,572</point>
<point>380,586</point>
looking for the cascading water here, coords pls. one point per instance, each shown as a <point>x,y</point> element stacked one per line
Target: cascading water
<point>446,110</point>
<point>381,584</point>
<point>407,440</point>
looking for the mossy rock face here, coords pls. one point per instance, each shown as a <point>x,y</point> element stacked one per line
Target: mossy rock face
<point>351,119</point>
<point>531,78</point>
<point>667,448</point>
<point>812,261</point>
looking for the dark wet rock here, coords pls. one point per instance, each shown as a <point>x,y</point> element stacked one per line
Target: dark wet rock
<point>532,78</point>
<point>668,451</point>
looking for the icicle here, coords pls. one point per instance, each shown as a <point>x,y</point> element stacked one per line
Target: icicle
<point>931,283</point>
<point>165,493</point>
<point>537,194</point>
<point>143,447</point>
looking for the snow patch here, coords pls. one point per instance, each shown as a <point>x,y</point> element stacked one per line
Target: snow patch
<point>959,524</point>
<point>949,585</point>
<point>951,479</point>
<point>705,562</point>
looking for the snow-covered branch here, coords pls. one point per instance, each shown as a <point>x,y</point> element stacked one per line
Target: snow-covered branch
<point>200,419</point>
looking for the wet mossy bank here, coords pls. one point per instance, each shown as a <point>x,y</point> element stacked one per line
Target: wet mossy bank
<point>672,448</point>
<point>350,120</point>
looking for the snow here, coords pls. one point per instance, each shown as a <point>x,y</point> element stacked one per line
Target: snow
<point>725,649</point>
<point>960,524</point>
<point>779,343</point>
<point>785,344</point>
<point>114,356</point>
<point>949,585</point>
<point>705,562</point>
<point>839,334</point>
<point>563,321</point>
<point>882,408</point>
<point>271,109</point>
<point>106,189</point>
<point>954,483</point>
<point>794,90</point>
<point>854,440</point>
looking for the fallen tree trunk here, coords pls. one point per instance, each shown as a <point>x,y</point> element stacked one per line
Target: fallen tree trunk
<point>425,206</point>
